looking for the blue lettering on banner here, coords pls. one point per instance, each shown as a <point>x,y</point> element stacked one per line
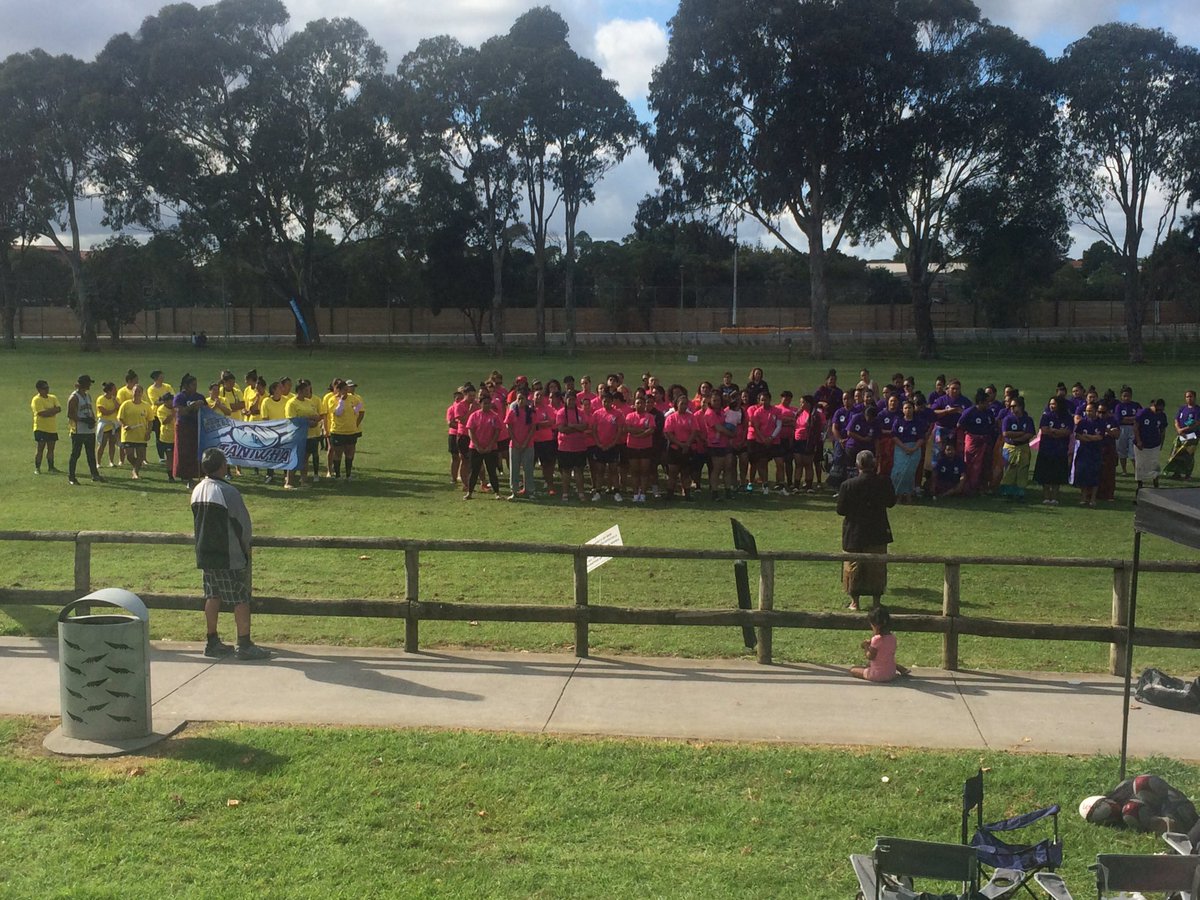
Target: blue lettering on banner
<point>269,444</point>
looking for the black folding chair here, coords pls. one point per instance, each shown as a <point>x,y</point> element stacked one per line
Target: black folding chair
<point>888,873</point>
<point>1012,864</point>
<point>1169,875</point>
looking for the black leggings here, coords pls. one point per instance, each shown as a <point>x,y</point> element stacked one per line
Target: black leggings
<point>478,461</point>
<point>83,443</point>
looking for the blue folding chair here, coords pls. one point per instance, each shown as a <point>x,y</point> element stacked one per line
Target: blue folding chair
<point>1013,864</point>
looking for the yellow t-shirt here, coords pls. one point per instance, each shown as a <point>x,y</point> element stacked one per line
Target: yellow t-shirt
<point>135,422</point>
<point>249,395</point>
<point>154,394</point>
<point>166,423</point>
<point>325,407</point>
<point>306,409</point>
<point>107,409</point>
<point>273,409</point>
<point>347,421</point>
<point>39,404</point>
<point>124,393</point>
<point>231,397</point>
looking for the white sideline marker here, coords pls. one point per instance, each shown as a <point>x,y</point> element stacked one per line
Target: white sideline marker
<point>610,538</point>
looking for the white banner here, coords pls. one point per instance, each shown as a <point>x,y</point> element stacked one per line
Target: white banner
<point>610,538</point>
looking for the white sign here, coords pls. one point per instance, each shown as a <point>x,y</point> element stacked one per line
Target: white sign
<point>693,358</point>
<point>610,538</point>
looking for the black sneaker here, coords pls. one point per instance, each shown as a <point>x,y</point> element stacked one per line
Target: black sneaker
<point>217,649</point>
<point>252,652</point>
<point>98,478</point>
<point>72,480</point>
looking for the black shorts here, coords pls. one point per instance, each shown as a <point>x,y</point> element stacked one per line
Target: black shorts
<point>502,447</point>
<point>608,457</point>
<point>343,440</point>
<point>572,459</point>
<point>787,445</point>
<point>452,444</point>
<point>133,445</point>
<point>677,457</point>
<point>718,452</point>
<point>463,442</point>
<point>45,437</point>
<point>311,446</point>
<point>761,452</point>
<point>546,452</point>
<point>632,453</point>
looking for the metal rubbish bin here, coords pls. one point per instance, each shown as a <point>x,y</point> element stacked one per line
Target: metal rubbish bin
<point>104,668</point>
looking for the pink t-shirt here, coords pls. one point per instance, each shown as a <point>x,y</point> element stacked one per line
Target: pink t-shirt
<point>762,421</point>
<point>543,423</point>
<point>521,421</point>
<point>713,436</point>
<point>461,409</point>
<point>571,441</point>
<point>680,427</point>
<point>451,425</point>
<point>636,421</point>
<point>606,426</point>
<point>883,666</point>
<point>486,427</point>
<point>787,415</point>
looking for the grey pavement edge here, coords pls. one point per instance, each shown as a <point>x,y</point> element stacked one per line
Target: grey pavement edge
<point>728,700</point>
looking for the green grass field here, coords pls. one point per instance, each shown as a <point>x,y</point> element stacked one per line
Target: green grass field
<point>295,812</point>
<point>402,489</point>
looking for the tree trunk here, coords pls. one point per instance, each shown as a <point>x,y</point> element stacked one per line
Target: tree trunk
<point>498,299</point>
<point>539,265</point>
<point>922,308</point>
<point>1134,314</point>
<point>821,347</point>
<point>570,212</point>
<point>8,306</point>
<point>89,340</point>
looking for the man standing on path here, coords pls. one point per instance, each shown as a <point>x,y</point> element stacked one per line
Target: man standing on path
<point>81,416</point>
<point>223,540</point>
<point>863,501</point>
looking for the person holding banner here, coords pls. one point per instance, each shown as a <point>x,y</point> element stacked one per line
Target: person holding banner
<point>305,406</point>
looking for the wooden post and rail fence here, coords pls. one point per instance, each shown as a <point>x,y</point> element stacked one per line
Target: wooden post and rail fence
<point>951,624</point>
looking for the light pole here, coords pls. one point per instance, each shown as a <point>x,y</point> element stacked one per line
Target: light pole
<point>735,272</point>
<point>680,322</point>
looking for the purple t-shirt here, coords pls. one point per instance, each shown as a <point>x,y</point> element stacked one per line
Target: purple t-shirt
<point>1054,446</point>
<point>1090,426</point>
<point>1150,426</point>
<point>978,422</point>
<point>840,420</point>
<point>1014,424</point>
<point>924,419</point>
<point>907,432</point>
<point>830,396</point>
<point>949,471</point>
<point>1128,410</point>
<point>862,434</point>
<point>948,421</point>
<point>1187,416</point>
<point>887,421</point>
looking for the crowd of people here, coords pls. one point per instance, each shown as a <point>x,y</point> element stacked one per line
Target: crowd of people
<point>126,421</point>
<point>650,439</point>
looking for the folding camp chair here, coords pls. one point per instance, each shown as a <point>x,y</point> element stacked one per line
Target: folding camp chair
<point>1132,876</point>
<point>1170,875</point>
<point>888,872</point>
<point>1185,844</point>
<point>1012,864</point>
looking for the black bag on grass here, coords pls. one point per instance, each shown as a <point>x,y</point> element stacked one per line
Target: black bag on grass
<point>1158,688</point>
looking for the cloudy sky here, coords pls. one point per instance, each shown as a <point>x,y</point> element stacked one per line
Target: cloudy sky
<point>626,38</point>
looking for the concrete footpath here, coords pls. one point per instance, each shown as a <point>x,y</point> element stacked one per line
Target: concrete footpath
<point>734,700</point>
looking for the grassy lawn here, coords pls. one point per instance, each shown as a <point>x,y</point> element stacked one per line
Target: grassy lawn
<point>403,489</point>
<point>373,813</point>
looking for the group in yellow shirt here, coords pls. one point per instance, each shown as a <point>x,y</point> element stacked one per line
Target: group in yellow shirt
<point>135,417</point>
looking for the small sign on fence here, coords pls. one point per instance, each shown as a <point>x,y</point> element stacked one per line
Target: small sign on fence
<point>610,538</point>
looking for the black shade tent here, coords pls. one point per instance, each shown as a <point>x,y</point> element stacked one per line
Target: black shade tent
<point>1174,515</point>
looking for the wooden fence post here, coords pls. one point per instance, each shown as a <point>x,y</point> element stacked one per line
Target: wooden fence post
<point>581,602</point>
<point>951,586</point>
<point>83,573</point>
<point>1120,619</point>
<point>412,587</point>
<point>766,600</point>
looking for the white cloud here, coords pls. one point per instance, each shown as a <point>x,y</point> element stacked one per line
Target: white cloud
<point>628,51</point>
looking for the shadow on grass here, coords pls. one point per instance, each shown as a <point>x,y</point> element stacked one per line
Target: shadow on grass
<point>219,753</point>
<point>34,621</point>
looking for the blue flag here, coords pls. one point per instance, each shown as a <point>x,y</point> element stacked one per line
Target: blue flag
<point>300,320</point>
<point>270,444</point>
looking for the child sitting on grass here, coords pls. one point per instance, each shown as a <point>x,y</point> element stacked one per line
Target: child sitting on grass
<point>880,648</point>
